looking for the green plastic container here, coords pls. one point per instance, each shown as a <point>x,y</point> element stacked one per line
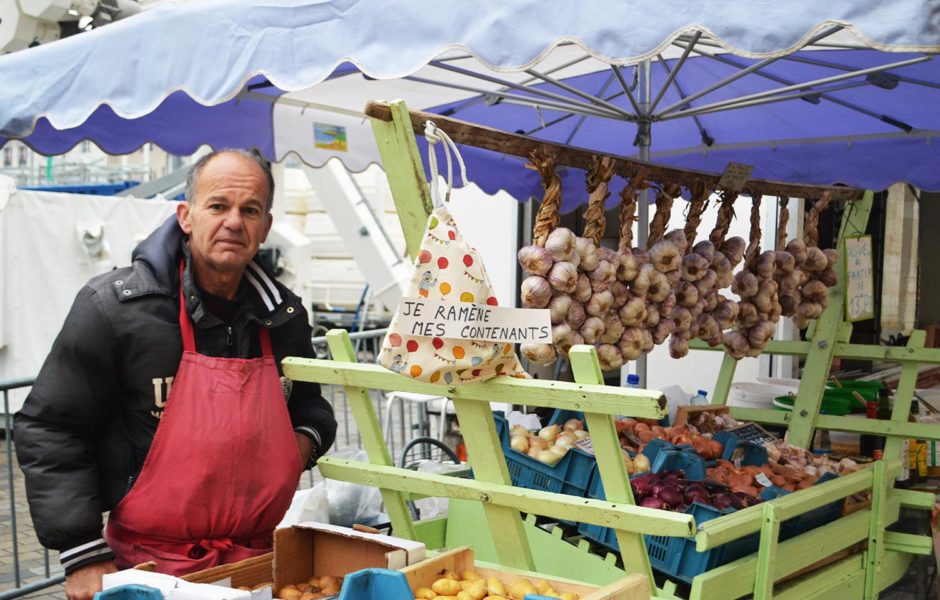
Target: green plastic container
<point>831,405</point>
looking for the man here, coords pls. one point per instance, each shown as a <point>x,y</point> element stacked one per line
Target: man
<point>162,400</point>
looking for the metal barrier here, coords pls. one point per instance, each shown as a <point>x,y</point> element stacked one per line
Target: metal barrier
<point>409,422</point>
<point>17,577</point>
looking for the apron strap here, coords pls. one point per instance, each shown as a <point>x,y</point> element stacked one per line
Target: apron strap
<point>189,337</point>
<point>186,324</point>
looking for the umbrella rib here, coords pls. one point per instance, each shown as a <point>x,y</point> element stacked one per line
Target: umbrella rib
<point>732,78</point>
<point>838,67</point>
<point>516,86</point>
<point>713,108</point>
<point>675,71</point>
<point>474,101</point>
<point>797,86</point>
<point>516,99</point>
<point>844,103</point>
<point>626,89</point>
<point>707,139</point>
<point>577,126</point>
<point>585,95</point>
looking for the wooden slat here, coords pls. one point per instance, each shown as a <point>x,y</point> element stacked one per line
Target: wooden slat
<point>599,512</point>
<point>555,394</point>
<point>480,136</point>
<point>737,579</point>
<point>909,543</point>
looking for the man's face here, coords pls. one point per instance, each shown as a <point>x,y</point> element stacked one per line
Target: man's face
<point>228,217</point>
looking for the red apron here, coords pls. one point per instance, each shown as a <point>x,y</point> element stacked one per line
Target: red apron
<point>221,471</point>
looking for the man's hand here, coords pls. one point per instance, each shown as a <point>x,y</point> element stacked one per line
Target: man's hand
<point>84,582</point>
<point>305,447</point>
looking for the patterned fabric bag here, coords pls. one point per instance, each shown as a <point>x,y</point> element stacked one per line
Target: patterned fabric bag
<point>447,269</point>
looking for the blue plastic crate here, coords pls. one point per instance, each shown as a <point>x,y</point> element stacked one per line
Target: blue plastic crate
<point>376,584</point>
<point>131,591</point>
<point>664,456</point>
<point>754,454</point>
<point>817,517</point>
<point>571,475</point>
<point>673,556</point>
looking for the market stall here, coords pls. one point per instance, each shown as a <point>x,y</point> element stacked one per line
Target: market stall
<point>854,553</point>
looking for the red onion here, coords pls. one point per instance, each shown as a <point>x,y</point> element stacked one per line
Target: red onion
<point>696,495</point>
<point>671,496</point>
<point>641,487</point>
<point>722,501</point>
<point>652,502</point>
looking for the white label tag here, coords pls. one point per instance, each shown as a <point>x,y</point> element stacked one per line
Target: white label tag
<point>735,176</point>
<point>478,322</point>
<point>585,445</point>
<point>763,480</point>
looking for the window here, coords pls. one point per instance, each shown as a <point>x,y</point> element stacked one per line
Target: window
<point>23,156</point>
<point>8,156</point>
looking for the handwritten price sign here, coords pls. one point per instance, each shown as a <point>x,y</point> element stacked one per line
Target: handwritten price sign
<point>859,279</point>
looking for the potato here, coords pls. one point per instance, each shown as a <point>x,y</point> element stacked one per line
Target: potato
<point>570,596</point>
<point>464,595</point>
<point>289,593</point>
<point>263,584</point>
<point>476,589</point>
<point>446,586</point>
<point>520,587</point>
<point>310,596</point>
<point>469,576</point>
<point>330,581</point>
<point>314,581</point>
<point>424,594</point>
<point>495,587</point>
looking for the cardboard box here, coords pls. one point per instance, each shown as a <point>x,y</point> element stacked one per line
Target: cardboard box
<point>251,573</point>
<point>632,587</point>
<point>320,549</point>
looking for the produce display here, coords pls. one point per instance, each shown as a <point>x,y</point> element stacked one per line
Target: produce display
<point>312,589</point>
<point>628,300</point>
<point>669,491</point>
<point>469,585</point>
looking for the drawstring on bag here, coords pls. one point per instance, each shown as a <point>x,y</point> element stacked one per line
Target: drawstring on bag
<point>433,134</point>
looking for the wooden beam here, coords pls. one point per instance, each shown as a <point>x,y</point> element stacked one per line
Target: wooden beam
<point>480,136</point>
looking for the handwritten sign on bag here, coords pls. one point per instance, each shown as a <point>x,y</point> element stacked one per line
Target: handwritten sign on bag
<point>469,321</point>
<point>859,279</point>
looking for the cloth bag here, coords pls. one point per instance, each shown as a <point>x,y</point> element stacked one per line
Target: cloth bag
<point>447,269</point>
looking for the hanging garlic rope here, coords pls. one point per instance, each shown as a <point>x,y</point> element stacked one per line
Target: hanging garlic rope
<point>548,216</point>
<point>664,200</point>
<point>628,209</point>
<point>597,180</point>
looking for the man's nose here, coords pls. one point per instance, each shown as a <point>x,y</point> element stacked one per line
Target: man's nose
<point>233,219</point>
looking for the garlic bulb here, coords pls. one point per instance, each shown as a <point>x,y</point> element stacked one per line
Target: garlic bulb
<point>736,344</point>
<point>652,316</point>
<point>733,248</point>
<point>789,303</point>
<point>708,327</point>
<point>832,256</point>
<point>762,302</point>
<point>641,255</point>
<point>572,340</point>
<point>648,344</point>
<point>599,303</point>
<point>767,264</point>
<point>592,329</point>
<point>686,294</point>
<point>621,294</point>
<point>694,267</point>
<point>583,290</point>
<point>641,282</point>
<point>604,273</point>
<point>563,277</point>
<point>745,284</point>
<point>677,237</point>
<point>665,256</point>
<point>613,329</point>
<point>747,314</point>
<point>633,312</point>
<point>809,310</point>
<point>705,249</point>
<point>662,330</point>
<point>708,283</point>
<point>609,357</point>
<point>673,277</point>
<point>535,260</point>
<point>536,292</point>
<point>785,261</point>
<point>576,315</point>
<point>588,253</point>
<point>666,306</point>
<point>682,317</point>
<point>711,302</point>
<point>608,254</point>
<point>678,346</point>
<point>759,335</point>
<point>627,267</point>
<point>828,277</point>
<point>726,313</point>
<point>540,354</point>
<point>659,287</point>
<point>816,260</point>
<point>815,291</point>
<point>631,343</point>
<point>798,250</point>
<point>561,244</point>
<point>559,306</point>
<point>561,334</point>
<point>789,282</point>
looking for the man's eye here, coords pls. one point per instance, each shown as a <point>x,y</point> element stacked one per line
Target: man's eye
<point>251,211</point>
<point>216,206</point>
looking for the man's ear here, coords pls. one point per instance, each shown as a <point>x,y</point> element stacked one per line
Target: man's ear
<point>182,217</point>
<point>267,228</point>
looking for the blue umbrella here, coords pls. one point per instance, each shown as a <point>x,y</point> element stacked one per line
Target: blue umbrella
<point>692,86</point>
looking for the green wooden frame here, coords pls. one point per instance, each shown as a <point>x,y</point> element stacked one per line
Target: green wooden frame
<point>776,570</point>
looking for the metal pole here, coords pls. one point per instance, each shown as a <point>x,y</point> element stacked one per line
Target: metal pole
<point>643,141</point>
<point>8,439</point>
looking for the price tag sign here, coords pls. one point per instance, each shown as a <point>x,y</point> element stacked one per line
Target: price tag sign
<point>735,176</point>
<point>753,433</point>
<point>859,279</point>
<point>585,445</point>
<point>468,321</point>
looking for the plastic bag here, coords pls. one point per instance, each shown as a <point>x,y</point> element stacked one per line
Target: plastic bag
<point>308,505</point>
<point>351,503</point>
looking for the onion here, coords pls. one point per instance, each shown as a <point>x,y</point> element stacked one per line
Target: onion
<point>573,425</point>
<point>640,485</point>
<point>550,433</point>
<point>722,501</point>
<point>652,502</point>
<point>548,457</point>
<point>670,495</point>
<point>519,443</point>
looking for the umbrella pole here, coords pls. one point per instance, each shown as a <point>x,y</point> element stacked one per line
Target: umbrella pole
<point>642,142</point>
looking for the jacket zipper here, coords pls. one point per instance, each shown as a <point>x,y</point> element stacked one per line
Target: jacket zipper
<point>228,335</point>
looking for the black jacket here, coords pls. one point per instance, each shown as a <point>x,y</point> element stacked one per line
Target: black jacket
<point>88,422</point>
